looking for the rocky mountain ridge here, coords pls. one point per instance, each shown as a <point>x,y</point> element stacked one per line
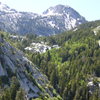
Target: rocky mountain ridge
<point>14,63</point>
<point>53,21</point>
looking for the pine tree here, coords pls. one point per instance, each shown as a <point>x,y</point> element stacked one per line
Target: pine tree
<point>14,87</point>
<point>20,95</point>
<point>54,78</point>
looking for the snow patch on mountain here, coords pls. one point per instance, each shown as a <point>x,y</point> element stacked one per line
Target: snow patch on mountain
<point>96,30</point>
<point>40,47</point>
<point>99,42</point>
<point>51,23</point>
<point>51,13</point>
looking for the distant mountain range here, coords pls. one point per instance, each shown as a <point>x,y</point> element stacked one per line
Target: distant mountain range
<point>54,20</point>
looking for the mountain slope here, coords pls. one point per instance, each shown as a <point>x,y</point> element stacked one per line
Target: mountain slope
<point>53,21</point>
<point>13,63</point>
<point>74,68</point>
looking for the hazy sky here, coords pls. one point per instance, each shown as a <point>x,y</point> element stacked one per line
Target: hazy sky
<point>90,9</point>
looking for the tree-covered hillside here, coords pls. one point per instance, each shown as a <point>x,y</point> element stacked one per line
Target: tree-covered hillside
<point>74,69</point>
<point>20,79</point>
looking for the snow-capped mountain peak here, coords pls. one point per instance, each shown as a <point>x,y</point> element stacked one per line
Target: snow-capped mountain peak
<point>59,9</point>
<point>5,8</point>
<point>53,21</point>
<point>67,16</point>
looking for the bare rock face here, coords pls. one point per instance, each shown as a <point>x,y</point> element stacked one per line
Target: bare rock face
<point>14,63</point>
<point>54,20</point>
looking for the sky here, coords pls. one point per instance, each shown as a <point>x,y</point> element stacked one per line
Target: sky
<point>90,9</point>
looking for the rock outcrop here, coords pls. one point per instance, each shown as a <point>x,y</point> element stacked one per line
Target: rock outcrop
<point>14,63</point>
